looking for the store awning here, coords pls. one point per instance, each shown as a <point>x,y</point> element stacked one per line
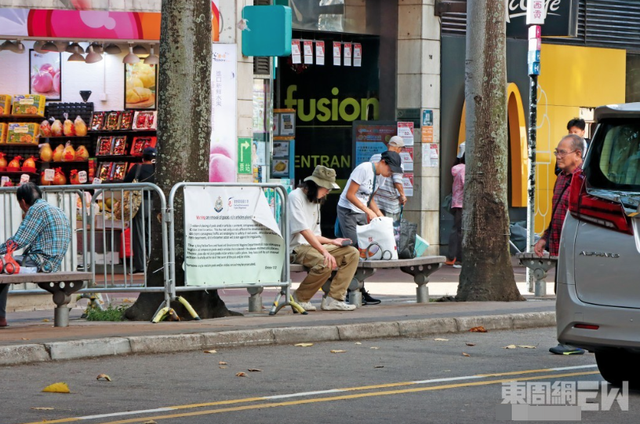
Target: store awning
<point>149,6</point>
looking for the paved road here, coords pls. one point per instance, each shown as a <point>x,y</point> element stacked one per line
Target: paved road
<point>374,381</point>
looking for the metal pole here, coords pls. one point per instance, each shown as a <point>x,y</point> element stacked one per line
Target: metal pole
<point>531,183</point>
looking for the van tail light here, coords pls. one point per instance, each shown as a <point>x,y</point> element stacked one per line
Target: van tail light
<point>587,326</point>
<point>597,211</point>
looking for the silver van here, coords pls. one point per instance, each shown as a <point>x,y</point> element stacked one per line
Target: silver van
<point>598,281</point>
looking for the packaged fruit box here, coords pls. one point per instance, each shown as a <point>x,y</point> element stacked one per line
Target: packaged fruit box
<point>5,104</point>
<point>28,104</point>
<point>3,133</point>
<point>23,132</point>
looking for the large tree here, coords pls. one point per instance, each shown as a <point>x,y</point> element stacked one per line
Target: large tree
<point>487,273</point>
<point>184,134</point>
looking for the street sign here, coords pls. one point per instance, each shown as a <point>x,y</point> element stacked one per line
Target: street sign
<point>244,155</point>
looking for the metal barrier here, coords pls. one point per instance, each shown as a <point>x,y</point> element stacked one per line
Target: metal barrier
<point>254,288</point>
<point>98,241</point>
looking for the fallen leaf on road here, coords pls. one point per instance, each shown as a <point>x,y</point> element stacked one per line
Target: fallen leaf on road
<point>374,348</point>
<point>210,351</point>
<point>303,344</point>
<point>441,340</point>
<point>479,329</point>
<point>223,367</point>
<point>470,344</point>
<point>105,376</point>
<point>465,354</point>
<point>338,351</point>
<point>24,338</point>
<point>126,301</point>
<point>222,363</point>
<point>379,366</point>
<point>510,347</point>
<point>254,370</point>
<point>42,408</point>
<point>150,422</point>
<point>526,347</point>
<point>45,320</point>
<point>241,374</point>
<point>57,388</point>
<point>358,343</point>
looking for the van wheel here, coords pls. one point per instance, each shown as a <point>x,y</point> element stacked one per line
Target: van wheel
<point>619,365</point>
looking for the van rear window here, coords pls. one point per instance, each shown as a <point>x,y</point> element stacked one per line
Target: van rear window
<point>614,156</point>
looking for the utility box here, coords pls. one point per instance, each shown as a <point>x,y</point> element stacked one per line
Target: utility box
<point>268,31</point>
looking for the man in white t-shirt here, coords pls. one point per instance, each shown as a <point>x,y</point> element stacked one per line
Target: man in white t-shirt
<point>390,195</point>
<point>319,254</point>
<point>357,205</point>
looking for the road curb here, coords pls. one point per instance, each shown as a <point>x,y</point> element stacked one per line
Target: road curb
<point>91,348</point>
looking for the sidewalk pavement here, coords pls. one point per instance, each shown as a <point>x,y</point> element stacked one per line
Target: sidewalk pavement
<point>31,336</point>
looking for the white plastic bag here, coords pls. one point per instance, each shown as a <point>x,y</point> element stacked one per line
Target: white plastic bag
<point>376,240</point>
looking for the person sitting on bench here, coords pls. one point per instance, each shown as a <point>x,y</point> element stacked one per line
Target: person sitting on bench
<point>44,234</point>
<point>320,254</point>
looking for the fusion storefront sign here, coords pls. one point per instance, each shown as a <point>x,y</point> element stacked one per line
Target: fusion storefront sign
<point>561,18</point>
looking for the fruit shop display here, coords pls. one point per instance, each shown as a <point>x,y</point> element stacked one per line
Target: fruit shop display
<point>28,104</point>
<point>104,171</point>
<point>68,153</point>
<point>46,154</point>
<point>15,165</point>
<point>103,147</point>
<point>73,177</point>
<point>119,145</point>
<point>3,162</point>
<point>68,129</point>
<point>29,165</point>
<point>82,154</point>
<point>57,153</point>
<point>3,132</point>
<point>23,132</point>
<point>97,121</point>
<point>43,181</point>
<point>45,128</point>
<point>145,120</point>
<point>112,121</point>
<point>56,128</point>
<point>80,126</point>
<point>126,120</point>
<point>59,178</point>
<point>118,171</point>
<point>140,143</point>
<point>5,104</point>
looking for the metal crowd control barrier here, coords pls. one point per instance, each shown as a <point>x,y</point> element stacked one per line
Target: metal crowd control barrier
<point>98,241</point>
<point>255,289</point>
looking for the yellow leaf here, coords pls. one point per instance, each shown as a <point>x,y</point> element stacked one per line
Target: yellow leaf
<point>45,320</point>
<point>210,351</point>
<point>222,363</point>
<point>57,388</point>
<point>510,347</point>
<point>303,344</point>
<point>358,343</point>
<point>441,340</point>
<point>479,329</point>
<point>105,376</point>
<point>374,348</point>
<point>42,408</point>
<point>338,351</point>
<point>241,374</point>
<point>465,354</point>
<point>526,347</point>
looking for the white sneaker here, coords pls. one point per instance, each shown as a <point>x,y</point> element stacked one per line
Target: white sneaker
<point>331,304</point>
<point>307,306</point>
<point>457,266</point>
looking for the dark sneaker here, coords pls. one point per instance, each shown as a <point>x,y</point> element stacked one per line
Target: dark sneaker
<point>3,322</point>
<point>367,299</point>
<point>563,349</point>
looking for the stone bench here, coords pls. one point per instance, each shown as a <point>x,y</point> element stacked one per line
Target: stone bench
<point>540,266</point>
<point>421,268</point>
<point>60,284</point>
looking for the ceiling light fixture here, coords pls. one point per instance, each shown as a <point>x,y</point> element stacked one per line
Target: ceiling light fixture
<point>140,50</point>
<point>97,47</point>
<point>50,46</point>
<point>152,59</point>
<point>7,45</point>
<point>112,49</point>
<point>76,56</point>
<point>18,47</point>
<point>92,56</point>
<point>37,46</point>
<point>131,58</point>
<point>74,48</point>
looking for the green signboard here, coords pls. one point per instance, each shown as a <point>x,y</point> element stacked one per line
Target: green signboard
<point>244,155</point>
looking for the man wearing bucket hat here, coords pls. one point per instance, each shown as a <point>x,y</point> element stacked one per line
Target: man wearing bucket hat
<point>319,254</point>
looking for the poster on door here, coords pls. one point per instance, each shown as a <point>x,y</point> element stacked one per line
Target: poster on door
<point>231,238</point>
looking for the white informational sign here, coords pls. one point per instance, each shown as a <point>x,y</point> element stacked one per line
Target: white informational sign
<point>319,52</point>
<point>231,237</point>
<point>407,159</point>
<point>308,52</point>
<point>223,162</point>
<point>296,57</point>
<point>430,155</point>
<point>337,53</point>
<point>357,54</point>
<point>405,130</point>
<point>536,12</point>
<point>347,54</point>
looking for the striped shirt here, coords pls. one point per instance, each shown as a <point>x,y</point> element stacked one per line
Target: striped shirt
<point>386,196</point>
<point>45,234</point>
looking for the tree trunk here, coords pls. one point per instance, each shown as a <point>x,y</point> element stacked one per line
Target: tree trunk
<point>184,134</point>
<point>487,273</point>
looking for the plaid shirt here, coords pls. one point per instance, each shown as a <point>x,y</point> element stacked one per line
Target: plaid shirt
<point>45,233</point>
<point>560,206</point>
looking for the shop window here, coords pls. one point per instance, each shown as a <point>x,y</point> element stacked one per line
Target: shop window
<point>633,78</point>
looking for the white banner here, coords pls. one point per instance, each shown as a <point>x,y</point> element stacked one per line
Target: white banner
<point>231,237</point>
<point>223,162</point>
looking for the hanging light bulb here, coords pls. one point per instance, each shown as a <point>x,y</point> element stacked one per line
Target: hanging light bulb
<point>140,50</point>
<point>76,56</point>
<point>50,46</point>
<point>18,47</point>
<point>152,59</point>
<point>131,58</point>
<point>92,56</point>
<point>74,48</point>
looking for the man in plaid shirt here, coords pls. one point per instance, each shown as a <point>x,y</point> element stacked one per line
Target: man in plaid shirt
<point>569,159</point>
<point>569,155</point>
<point>44,234</point>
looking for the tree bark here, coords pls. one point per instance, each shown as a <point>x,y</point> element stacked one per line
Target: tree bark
<point>184,134</point>
<point>487,273</point>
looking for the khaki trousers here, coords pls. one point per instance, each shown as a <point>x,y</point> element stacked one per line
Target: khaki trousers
<point>347,258</point>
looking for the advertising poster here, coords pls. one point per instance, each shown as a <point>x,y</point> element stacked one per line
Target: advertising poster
<point>430,155</point>
<point>45,74</point>
<point>140,86</point>
<point>370,138</point>
<point>405,130</point>
<point>407,159</point>
<point>231,237</point>
<point>223,161</point>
